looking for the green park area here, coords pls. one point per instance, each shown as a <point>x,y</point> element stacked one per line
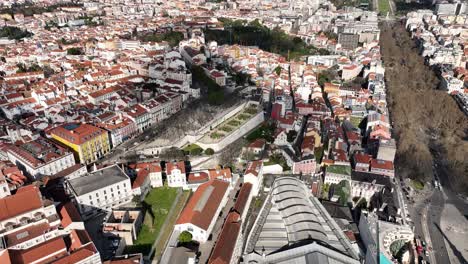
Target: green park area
<point>253,33</point>
<point>355,120</point>
<point>234,122</point>
<point>417,185</point>
<point>339,169</point>
<point>384,7</point>
<point>157,205</point>
<point>265,131</point>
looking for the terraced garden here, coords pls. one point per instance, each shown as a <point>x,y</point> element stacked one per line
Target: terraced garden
<point>231,124</point>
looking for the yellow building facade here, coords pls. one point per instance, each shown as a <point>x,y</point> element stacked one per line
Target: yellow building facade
<point>89,143</point>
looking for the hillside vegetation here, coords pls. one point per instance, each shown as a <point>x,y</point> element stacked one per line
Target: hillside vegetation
<point>428,124</point>
<point>255,34</point>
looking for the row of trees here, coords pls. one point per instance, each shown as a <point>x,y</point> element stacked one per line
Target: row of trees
<point>428,125</point>
<point>215,92</point>
<point>14,33</point>
<point>30,9</point>
<point>255,34</point>
<point>172,37</point>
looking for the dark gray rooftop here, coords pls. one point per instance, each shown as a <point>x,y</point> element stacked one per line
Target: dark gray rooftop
<point>97,180</point>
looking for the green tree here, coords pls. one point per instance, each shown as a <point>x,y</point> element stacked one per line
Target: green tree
<point>14,33</point>
<point>75,51</point>
<point>209,151</point>
<point>196,151</point>
<point>256,34</point>
<point>185,237</point>
<point>318,152</point>
<point>278,70</point>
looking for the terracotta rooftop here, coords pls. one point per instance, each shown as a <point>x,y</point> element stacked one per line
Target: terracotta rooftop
<point>225,246</point>
<point>77,133</point>
<point>47,251</point>
<point>381,164</point>
<point>254,167</point>
<point>175,165</point>
<point>25,200</point>
<point>242,198</point>
<point>202,206</point>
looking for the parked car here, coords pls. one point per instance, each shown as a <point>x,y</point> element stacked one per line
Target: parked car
<point>115,243</point>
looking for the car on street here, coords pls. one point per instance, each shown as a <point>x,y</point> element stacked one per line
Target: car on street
<point>115,243</point>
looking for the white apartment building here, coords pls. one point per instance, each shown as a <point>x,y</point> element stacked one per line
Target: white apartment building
<point>100,191</point>
<point>176,175</point>
<point>254,175</point>
<point>40,157</point>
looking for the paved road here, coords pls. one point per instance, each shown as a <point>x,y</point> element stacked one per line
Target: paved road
<point>427,216</point>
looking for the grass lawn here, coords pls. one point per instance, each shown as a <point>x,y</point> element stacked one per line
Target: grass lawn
<point>158,202</point>
<point>384,7</point>
<point>355,120</point>
<point>339,169</point>
<point>264,131</point>
<point>166,233</point>
<point>417,185</point>
<point>191,147</point>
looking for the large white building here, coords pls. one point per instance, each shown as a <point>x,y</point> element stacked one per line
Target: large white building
<point>100,191</point>
<point>41,157</point>
<point>201,212</point>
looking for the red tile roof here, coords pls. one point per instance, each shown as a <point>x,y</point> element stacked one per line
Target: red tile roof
<point>362,158</point>
<point>25,200</point>
<point>258,143</point>
<point>254,167</point>
<point>27,233</point>
<point>77,133</point>
<point>381,164</point>
<point>220,174</point>
<point>140,178</point>
<point>198,177</point>
<point>69,214</point>
<point>225,246</point>
<point>242,198</point>
<point>76,256</point>
<point>175,165</point>
<point>202,206</point>
<point>47,251</point>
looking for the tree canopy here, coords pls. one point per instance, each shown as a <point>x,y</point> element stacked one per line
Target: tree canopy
<point>256,34</point>
<point>172,37</point>
<point>14,33</point>
<point>185,237</point>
